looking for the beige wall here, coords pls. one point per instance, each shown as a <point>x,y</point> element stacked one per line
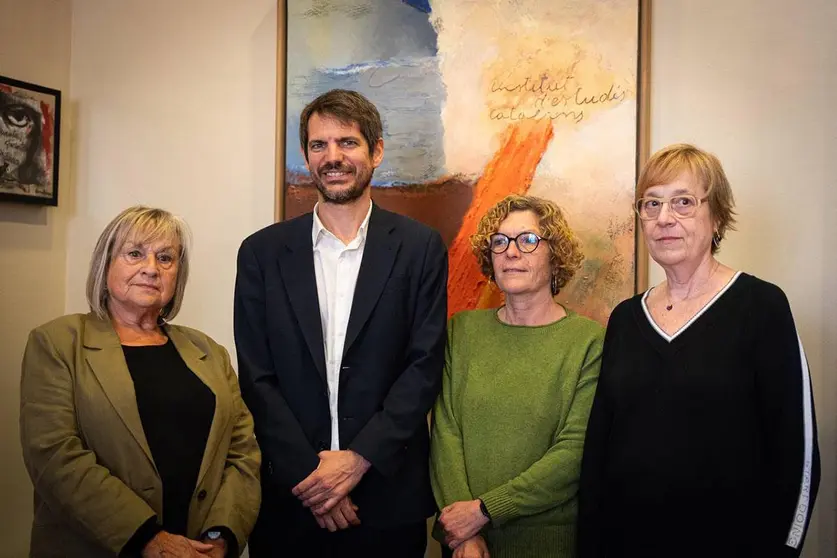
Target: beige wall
<point>176,109</point>
<point>753,81</point>
<point>34,47</point>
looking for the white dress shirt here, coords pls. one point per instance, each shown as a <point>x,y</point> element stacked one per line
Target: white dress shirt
<point>336,266</point>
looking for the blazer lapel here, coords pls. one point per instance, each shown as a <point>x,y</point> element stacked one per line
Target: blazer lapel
<point>296,264</point>
<point>378,257</point>
<point>195,359</point>
<point>104,355</point>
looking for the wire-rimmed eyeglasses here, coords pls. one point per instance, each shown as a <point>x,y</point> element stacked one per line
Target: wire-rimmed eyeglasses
<point>527,242</point>
<point>683,205</point>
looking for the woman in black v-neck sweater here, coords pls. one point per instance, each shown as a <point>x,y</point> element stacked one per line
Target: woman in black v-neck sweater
<point>702,438</point>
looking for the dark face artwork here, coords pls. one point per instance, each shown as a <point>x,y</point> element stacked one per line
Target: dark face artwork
<point>22,155</point>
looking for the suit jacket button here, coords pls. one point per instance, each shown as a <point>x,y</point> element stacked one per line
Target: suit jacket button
<point>202,495</point>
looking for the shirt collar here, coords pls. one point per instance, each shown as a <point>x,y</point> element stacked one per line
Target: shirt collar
<point>318,229</point>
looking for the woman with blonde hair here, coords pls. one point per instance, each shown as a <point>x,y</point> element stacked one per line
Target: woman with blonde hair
<point>509,424</point>
<point>133,429</point>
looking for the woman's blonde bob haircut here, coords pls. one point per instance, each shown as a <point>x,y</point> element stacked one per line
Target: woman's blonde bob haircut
<point>564,248</point>
<point>669,163</point>
<point>140,225</point>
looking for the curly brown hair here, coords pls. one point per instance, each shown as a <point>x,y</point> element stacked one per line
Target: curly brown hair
<point>564,247</point>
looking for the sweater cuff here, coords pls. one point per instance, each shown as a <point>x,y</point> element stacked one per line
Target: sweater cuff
<point>228,536</point>
<point>499,504</point>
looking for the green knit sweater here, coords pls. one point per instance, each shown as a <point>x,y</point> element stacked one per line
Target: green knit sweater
<point>509,427</point>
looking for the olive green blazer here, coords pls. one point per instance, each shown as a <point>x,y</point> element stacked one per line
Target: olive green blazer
<point>84,447</point>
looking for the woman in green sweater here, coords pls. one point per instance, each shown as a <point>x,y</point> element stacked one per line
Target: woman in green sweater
<point>508,428</point>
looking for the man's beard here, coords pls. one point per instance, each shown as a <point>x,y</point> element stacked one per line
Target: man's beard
<point>341,197</point>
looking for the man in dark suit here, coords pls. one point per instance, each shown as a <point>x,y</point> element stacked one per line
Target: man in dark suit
<point>340,331</point>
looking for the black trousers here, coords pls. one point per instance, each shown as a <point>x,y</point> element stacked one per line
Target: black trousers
<point>404,541</point>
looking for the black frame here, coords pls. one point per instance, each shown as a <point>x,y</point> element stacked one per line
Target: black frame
<point>56,144</point>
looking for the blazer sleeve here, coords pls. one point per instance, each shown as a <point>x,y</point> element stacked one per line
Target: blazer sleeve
<point>65,474</point>
<point>236,505</point>
<point>447,459</point>
<point>553,479</point>
<point>405,408</point>
<point>783,387</point>
<point>280,436</point>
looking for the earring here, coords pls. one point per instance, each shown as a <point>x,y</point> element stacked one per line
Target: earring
<point>716,240</point>
<point>162,316</point>
<point>554,285</point>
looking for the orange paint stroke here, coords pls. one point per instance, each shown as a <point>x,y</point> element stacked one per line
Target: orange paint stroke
<point>510,171</point>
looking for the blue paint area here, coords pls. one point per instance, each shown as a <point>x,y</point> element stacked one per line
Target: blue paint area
<point>421,5</point>
<point>388,55</point>
<point>302,171</point>
<point>408,94</point>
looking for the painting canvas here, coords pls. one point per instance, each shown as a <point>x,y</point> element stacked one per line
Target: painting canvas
<point>30,117</point>
<point>480,100</point>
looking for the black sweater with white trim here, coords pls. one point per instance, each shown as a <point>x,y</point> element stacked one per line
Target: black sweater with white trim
<point>704,443</point>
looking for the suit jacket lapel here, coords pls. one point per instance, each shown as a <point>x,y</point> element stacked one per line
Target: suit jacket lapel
<point>296,264</point>
<point>378,257</point>
<point>195,359</point>
<point>105,357</point>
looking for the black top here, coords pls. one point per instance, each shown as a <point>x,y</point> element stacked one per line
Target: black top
<point>702,443</point>
<point>176,409</point>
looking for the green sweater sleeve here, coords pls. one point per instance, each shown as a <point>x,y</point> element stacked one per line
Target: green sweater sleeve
<point>447,460</point>
<point>553,479</point>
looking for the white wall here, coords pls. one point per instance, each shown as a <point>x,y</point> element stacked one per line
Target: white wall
<point>175,109</point>
<point>34,47</point>
<point>753,81</point>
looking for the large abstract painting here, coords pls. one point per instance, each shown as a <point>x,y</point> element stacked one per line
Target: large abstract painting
<point>481,99</point>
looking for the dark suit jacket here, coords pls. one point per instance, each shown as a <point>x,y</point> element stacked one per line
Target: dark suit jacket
<point>390,374</point>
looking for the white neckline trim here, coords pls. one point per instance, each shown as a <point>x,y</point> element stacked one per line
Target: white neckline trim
<point>685,326</point>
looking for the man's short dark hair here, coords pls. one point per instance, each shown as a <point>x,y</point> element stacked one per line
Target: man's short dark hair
<point>347,107</point>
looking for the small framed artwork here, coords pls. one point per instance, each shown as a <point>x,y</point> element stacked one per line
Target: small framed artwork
<point>30,121</point>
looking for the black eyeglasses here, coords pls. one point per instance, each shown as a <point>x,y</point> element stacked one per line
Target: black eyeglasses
<point>527,242</point>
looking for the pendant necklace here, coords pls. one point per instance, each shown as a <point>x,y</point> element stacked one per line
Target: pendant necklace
<point>670,304</point>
